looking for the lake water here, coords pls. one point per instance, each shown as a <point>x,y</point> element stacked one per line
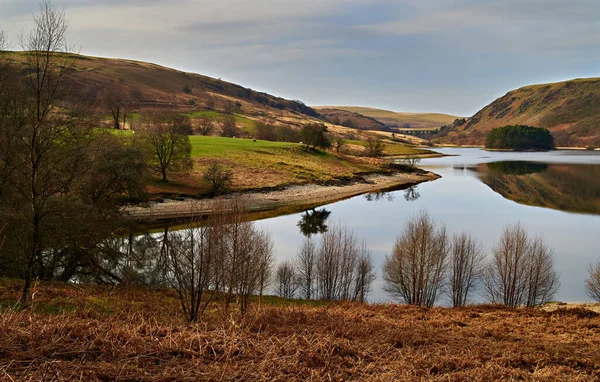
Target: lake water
<point>563,188</point>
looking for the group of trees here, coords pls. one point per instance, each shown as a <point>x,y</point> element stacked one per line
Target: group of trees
<point>338,268</point>
<point>225,256</point>
<point>426,262</point>
<point>519,137</point>
<point>59,179</point>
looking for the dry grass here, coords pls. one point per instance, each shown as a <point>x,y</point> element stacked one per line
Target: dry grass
<point>102,334</point>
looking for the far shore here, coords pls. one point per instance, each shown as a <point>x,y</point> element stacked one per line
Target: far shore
<point>450,146</point>
<point>289,200</point>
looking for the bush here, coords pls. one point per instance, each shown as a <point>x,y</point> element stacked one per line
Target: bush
<point>374,147</point>
<point>314,135</point>
<point>218,180</point>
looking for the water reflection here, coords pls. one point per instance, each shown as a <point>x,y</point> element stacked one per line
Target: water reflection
<point>412,193</point>
<point>565,187</point>
<point>462,201</point>
<point>517,167</point>
<point>313,222</point>
<point>378,196</point>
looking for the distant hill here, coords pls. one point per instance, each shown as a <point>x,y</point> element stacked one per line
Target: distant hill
<point>161,88</point>
<point>395,120</point>
<point>351,119</point>
<point>570,110</point>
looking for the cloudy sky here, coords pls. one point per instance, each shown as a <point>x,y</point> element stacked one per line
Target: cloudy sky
<point>452,56</point>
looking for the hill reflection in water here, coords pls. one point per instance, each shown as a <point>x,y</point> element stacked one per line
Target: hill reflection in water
<point>565,187</point>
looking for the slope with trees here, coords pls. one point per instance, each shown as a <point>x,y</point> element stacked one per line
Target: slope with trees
<point>570,110</point>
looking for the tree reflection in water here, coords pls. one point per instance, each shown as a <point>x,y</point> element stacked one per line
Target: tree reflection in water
<point>313,222</point>
<point>412,193</point>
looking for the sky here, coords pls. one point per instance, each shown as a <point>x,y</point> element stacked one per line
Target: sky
<point>447,56</point>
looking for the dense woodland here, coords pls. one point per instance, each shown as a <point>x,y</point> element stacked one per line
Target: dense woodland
<point>519,138</point>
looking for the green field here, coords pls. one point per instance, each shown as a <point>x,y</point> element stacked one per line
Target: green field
<point>218,146</point>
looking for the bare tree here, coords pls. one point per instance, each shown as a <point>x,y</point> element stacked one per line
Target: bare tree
<point>206,125</point>
<point>3,41</point>
<point>167,146</point>
<point>190,261</point>
<point>336,262</point>
<point>50,143</point>
<point>466,267</point>
<point>245,254</point>
<point>592,283</point>
<point>542,279</point>
<point>228,127</point>
<point>374,147</point>
<point>120,101</point>
<point>415,271</point>
<point>365,274</point>
<point>520,271</point>
<point>286,280</point>
<point>265,259</point>
<point>306,264</point>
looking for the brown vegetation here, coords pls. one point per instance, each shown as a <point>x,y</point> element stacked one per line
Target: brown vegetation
<point>99,334</point>
<point>568,109</point>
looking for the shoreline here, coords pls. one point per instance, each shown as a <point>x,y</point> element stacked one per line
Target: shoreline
<point>270,203</point>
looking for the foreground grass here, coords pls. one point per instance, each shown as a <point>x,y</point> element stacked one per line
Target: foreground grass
<point>99,334</point>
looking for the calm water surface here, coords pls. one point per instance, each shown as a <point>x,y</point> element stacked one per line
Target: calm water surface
<point>556,183</point>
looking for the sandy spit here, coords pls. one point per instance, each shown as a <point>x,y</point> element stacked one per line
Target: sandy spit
<point>292,198</point>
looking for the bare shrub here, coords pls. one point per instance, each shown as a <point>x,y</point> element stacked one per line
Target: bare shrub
<point>521,270</point>
<point>245,252</point>
<point>365,275</point>
<point>374,147</point>
<point>286,280</point>
<point>306,265</point>
<point>205,125</point>
<point>415,271</point>
<point>339,144</point>
<point>229,127</point>
<point>592,283</point>
<point>191,272</point>
<point>466,267</point>
<point>218,180</point>
<point>338,275</point>
<point>336,260</point>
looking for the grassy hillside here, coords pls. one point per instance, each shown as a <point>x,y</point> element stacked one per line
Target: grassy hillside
<point>393,119</point>
<point>161,88</point>
<point>254,164</point>
<point>570,110</point>
<point>95,333</point>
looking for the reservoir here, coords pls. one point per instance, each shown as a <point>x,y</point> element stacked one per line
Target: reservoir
<point>555,195</point>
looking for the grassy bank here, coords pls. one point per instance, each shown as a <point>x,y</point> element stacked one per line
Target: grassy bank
<point>106,333</point>
<point>264,164</point>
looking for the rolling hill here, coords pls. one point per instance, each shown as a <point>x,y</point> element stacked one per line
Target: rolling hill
<point>395,120</point>
<point>570,110</point>
<point>351,119</point>
<point>161,88</point>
